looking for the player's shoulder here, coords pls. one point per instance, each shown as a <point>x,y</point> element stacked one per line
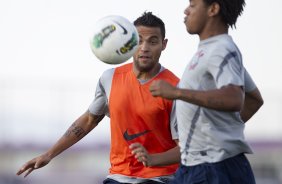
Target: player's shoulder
<point>222,47</point>
<point>107,75</point>
<point>169,75</point>
<point>221,43</point>
<point>108,72</point>
<point>124,68</point>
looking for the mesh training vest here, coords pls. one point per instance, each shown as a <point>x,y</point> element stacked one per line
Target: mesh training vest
<point>137,116</point>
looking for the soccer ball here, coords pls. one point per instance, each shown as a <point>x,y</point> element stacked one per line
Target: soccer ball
<point>115,39</point>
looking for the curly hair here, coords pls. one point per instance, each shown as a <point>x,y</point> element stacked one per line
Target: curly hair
<point>149,20</point>
<point>230,10</point>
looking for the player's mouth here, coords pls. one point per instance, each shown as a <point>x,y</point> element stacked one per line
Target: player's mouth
<point>144,58</point>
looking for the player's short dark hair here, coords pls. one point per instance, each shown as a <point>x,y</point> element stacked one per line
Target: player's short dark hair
<point>149,20</point>
<point>230,10</point>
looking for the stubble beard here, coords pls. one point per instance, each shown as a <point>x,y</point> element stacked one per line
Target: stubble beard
<point>143,68</point>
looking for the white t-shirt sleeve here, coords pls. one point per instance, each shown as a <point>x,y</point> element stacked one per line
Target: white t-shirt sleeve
<point>227,69</point>
<point>99,105</point>
<point>173,123</point>
<point>249,83</point>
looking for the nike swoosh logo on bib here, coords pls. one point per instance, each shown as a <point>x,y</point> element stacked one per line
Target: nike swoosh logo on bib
<point>133,136</point>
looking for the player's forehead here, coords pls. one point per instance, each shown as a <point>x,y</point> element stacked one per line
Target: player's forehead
<point>149,32</point>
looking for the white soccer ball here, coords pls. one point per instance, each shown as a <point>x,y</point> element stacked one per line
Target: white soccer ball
<point>115,39</point>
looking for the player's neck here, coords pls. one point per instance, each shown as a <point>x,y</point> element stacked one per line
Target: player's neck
<point>145,75</point>
<point>213,29</point>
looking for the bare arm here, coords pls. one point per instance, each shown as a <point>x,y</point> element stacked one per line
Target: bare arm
<point>169,157</point>
<point>82,126</point>
<point>227,98</point>
<point>253,101</point>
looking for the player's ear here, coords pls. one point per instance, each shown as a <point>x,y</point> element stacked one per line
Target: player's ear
<point>164,43</point>
<point>214,9</point>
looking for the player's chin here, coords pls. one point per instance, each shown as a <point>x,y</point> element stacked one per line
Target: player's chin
<point>146,65</point>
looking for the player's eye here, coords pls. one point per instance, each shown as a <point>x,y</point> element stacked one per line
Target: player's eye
<point>154,42</point>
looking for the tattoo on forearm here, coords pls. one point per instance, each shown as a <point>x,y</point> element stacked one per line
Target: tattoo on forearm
<point>68,132</point>
<point>76,130</point>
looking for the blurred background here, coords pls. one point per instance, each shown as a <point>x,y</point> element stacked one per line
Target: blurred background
<point>48,77</point>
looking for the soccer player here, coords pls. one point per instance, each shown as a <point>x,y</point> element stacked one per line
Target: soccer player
<point>209,99</point>
<point>123,94</point>
<point>252,103</point>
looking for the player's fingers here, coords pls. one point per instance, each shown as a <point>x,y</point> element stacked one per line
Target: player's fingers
<point>137,150</point>
<point>28,171</point>
<point>155,92</point>
<point>141,157</point>
<point>23,168</point>
<point>152,89</point>
<point>20,171</point>
<point>134,146</point>
<point>139,153</point>
<point>155,85</point>
<point>144,161</point>
<point>145,164</point>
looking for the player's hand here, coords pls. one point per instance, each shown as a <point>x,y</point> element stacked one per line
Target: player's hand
<point>163,89</point>
<point>33,164</point>
<point>141,154</point>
